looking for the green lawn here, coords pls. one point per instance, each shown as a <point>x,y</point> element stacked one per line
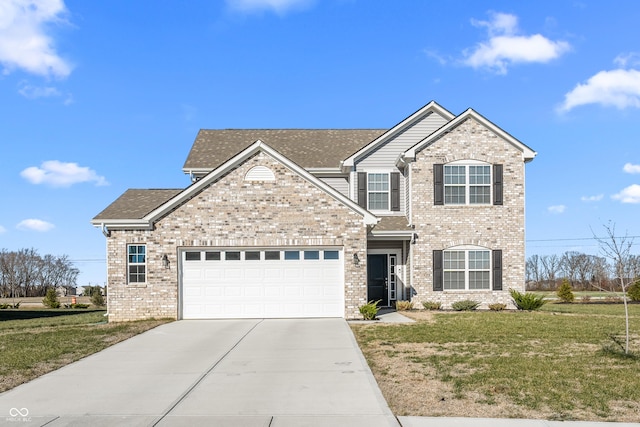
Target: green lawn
<point>33,342</point>
<point>548,364</point>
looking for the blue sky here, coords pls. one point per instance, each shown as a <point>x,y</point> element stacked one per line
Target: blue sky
<point>101,96</point>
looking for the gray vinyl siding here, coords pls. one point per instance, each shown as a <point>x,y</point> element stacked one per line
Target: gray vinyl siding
<point>339,183</point>
<point>386,155</point>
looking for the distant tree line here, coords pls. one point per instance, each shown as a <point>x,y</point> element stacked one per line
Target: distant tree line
<point>25,273</point>
<point>584,272</point>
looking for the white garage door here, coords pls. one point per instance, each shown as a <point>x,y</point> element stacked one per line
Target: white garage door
<point>262,283</point>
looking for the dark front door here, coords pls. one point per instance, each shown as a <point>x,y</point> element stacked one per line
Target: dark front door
<point>377,276</point>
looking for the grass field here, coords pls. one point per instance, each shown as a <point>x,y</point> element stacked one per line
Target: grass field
<point>545,365</point>
<point>34,342</point>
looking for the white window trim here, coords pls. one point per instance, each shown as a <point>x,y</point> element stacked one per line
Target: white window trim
<point>129,264</point>
<point>467,185</point>
<point>466,249</point>
<point>379,172</point>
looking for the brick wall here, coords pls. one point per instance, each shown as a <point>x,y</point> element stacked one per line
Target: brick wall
<point>233,212</point>
<point>488,226</point>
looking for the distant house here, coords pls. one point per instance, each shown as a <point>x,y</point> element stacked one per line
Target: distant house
<point>315,223</point>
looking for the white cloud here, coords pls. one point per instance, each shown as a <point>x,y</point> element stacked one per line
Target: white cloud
<point>557,209</point>
<point>35,225</point>
<point>278,6</point>
<point>2,229</point>
<point>33,92</point>
<point>506,47</point>
<point>630,168</point>
<point>59,174</point>
<point>616,88</point>
<point>627,59</point>
<point>596,198</point>
<point>24,42</point>
<point>631,194</point>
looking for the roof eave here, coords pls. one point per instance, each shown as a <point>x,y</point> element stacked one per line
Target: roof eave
<point>122,224</point>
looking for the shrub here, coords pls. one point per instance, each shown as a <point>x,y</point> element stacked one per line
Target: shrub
<point>97,299</point>
<point>431,305</point>
<point>17,305</point>
<point>527,301</point>
<point>404,305</point>
<point>586,298</point>
<point>51,299</point>
<point>564,292</point>
<point>369,310</point>
<point>79,306</point>
<point>4,306</point>
<point>497,306</point>
<point>465,305</point>
<point>633,292</point>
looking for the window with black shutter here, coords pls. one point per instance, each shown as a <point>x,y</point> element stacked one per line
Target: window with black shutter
<point>497,184</point>
<point>395,191</point>
<point>437,270</point>
<point>362,189</point>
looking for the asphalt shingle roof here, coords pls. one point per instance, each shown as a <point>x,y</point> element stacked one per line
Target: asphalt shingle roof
<point>392,223</point>
<point>309,148</point>
<point>136,203</point>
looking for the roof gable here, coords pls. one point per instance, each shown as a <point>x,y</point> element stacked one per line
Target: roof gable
<point>430,108</point>
<point>182,196</point>
<point>527,153</point>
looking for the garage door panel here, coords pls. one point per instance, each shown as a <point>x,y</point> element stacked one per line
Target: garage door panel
<point>272,274</point>
<point>253,291</point>
<point>225,288</point>
<point>213,274</point>
<point>212,291</point>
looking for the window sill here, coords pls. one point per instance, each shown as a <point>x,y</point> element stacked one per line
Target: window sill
<point>136,285</point>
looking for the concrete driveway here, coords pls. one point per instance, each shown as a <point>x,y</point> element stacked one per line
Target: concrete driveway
<point>212,372</point>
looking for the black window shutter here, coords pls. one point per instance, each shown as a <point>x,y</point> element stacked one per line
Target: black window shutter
<point>362,189</point>
<point>438,184</point>
<point>497,184</point>
<point>437,270</point>
<point>497,270</point>
<point>395,191</point>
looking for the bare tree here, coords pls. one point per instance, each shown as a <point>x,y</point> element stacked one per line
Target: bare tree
<point>533,269</point>
<point>25,273</point>
<point>625,268</point>
<point>569,264</point>
<point>550,268</point>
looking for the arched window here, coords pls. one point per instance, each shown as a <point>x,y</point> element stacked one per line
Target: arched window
<point>260,173</point>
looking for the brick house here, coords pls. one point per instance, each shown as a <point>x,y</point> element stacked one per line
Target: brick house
<point>314,223</point>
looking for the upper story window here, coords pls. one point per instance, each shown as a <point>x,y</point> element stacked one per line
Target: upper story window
<point>467,183</point>
<point>137,263</point>
<point>378,191</point>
